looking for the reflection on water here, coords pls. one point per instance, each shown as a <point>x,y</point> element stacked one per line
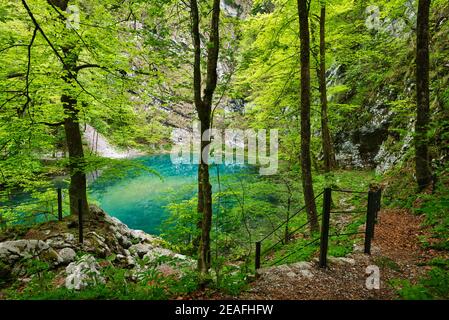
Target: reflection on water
<point>139,198</point>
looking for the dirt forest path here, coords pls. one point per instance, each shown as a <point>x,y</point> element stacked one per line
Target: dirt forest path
<point>396,251</point>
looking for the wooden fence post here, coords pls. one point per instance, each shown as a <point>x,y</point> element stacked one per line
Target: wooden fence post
<point>378,202</point>
<point>377,196</point>
<point>59,204</point>
<point>370,220</point>
<point>324,241</point>
<point>80,221</point>
<point>258,246</point>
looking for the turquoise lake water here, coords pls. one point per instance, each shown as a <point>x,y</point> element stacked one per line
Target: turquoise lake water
<point>140,199</point>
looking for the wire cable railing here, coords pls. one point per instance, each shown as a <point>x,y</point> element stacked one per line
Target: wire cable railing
<point>295,252</point>
<point>291,217</point>
<point>260,254</point>
<point>290,234</point>
<point>373,207</point>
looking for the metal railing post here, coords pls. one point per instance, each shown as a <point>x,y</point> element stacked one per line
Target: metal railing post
<point>324,241</point>
<point>80,221</point>
<point>59,204</point>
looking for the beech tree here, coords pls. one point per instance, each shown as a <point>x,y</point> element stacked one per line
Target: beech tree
<point>81,70</point>
<point>203,104</point>
<point>326,138</point>
<point>68,55</point>
<point>306,167</point>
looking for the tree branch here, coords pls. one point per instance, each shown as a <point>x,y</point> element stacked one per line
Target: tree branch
<point>27,77</point>
<point>61,59</point>
<point>212,55</point>
<point>10,99</point>
<point>15,75</point>
<point>85,66</point>
<point>194,15</point>
<point>36,24</point>
<point>12,46</point>
<point>51,124</point>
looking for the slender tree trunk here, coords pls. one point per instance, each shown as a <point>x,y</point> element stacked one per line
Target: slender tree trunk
<point>200,208</point>
<point>326,138</point>
<point>309,198</point>
<point>197,79</point>
<point>422,159</point>
<point>78,181</point>
<point>203,107</point>
<point>289,204</point>
<point>287,227</point>
<point>204,260</point>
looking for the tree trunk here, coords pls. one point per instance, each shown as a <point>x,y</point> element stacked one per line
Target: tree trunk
<point>78,182</point>
<point>422,159</point>
<point>204,259</point>
<point>203,107</point>
<point>326,138</point>
<point>309,198</point>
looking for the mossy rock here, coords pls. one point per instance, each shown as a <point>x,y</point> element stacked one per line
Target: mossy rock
<point>5,272</point>
<point>50,256</point>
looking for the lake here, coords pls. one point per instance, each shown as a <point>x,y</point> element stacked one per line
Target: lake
<point>139,198</point>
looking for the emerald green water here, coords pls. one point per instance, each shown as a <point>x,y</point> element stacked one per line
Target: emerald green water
<point>140,199</point>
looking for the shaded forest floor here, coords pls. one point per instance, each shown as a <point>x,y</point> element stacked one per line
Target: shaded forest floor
<point>397,252</point>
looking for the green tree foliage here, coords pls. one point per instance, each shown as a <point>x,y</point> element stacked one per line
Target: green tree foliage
<point>114,78</point>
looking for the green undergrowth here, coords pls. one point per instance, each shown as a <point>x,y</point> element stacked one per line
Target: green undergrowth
<point>433,286</point>
<point>120,284</point>
<point>44,283</point>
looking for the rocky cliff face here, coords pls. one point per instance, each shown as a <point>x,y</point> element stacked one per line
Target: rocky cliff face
<point>99,145</point>
<point>360,144</point>
<point>56,244</point>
